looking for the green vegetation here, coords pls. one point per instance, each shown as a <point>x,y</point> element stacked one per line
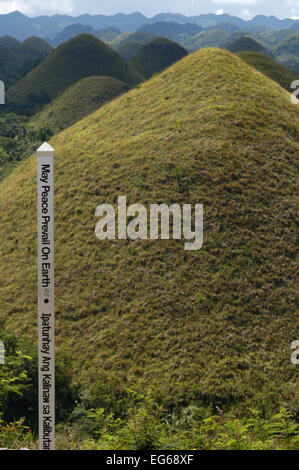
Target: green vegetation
<point>147,425</point>
<point>80,57</point>
<point>269,67</point>
<point>128,50</point>
<point>18,393</point>
<point>210,328</point>
<point>17,141</point>
<point>70,32</point>
<point>287,52</point>
<point>8,41</point>
<point>17,59</point>
<point>169,30</point>
<point>8,73</point>
<point>157,56</point>
<point>247,44</point>
<point>31,49</point>
<point>273,38</point>
<point>78,101</point>
<point>125,38</point>
<point>108,34</point>
<point>207,38</point>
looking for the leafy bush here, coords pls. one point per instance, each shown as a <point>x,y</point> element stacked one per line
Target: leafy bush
<point>15,435</point>
<point>147,426</point>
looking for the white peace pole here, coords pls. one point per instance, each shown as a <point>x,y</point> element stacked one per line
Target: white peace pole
<point>46,337</point>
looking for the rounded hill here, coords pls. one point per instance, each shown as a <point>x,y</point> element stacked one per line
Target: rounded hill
<point>156,56</point>
<point>213,326</point>
<point>78,101</point>
<point>129,50</point>
<point>247,44</point>
<point>289,46</point>
<point>9,41</point>
<point>33,48</point>
<point>277,72</point>
<point>81,57</point>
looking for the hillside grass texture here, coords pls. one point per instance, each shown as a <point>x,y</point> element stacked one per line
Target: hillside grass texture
<point>280,74</point>
<point>79,58</point>
<point>78,101</point>
<point>211,327</point>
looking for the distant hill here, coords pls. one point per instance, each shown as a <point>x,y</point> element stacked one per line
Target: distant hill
<point>171,31</point>
<point>108,34</point>
<point>287,52</point>
<point>227,27</point>
<point>273,38</point>
<point>20,26</point>
<point>78,101</point>
<point>70,32</point>
<point>269,67</point>
<point>17,59</point>
<point>128,50</point>
<point>144,38</point>
<point>31,49</point>
<point>157,56</point>
<point>81,57</point>
<point>247,44</point>
<point>288,46</point>
<point>8,67</point>
<point>207,38</point>
<point>202,329</point>
<point>8,41</point>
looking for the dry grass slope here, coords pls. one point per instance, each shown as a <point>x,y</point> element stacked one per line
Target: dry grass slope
<point>78,101</point>
<point>81,57</point>
<point>215,325</point>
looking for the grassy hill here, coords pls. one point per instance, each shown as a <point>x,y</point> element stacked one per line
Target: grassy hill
<point>78,101</point>
<point>108,34</point>
<point>8,72</point>
<point>169,30</point>
<point>8,41</point>
<point>17,59</point>
<point>211,327</point>
<point>289,46</point>
<point>269,67</point>
<point>70,32</point>
<point>206,38</point>
<point>273,38</point>
<point>124,38</point>
<point>287,52</point>
<point>157,56</point>
<point>129,50</point>
<point>247,44</point>
<point>31,49</point>
<point>78,58</point>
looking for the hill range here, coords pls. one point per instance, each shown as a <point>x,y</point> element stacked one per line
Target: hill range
<point>269,67</point>
<point>74,60</point>
<point>212,326</point>
<point>16,59</point>
<point>21,26</point>
<point>78,101</point>
<point>156,56</point>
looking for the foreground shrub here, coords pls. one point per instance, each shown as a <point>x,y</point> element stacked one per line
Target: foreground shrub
<point>148,426</point>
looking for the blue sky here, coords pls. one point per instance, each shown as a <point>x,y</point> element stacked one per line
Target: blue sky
<point>244,8</point>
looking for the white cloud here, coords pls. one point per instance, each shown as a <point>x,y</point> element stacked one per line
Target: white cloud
<point>246,14</point>
<point>236,2</point>
<point>34,7</point>
<point>219,12</point>
<point>279,8</point>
